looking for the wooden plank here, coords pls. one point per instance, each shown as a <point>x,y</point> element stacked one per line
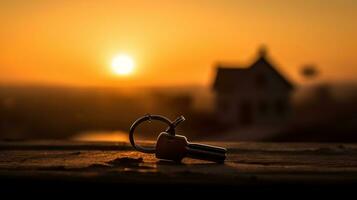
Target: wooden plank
<point>246,164</point>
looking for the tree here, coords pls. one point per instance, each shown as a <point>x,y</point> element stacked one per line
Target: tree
<point>309,72</point>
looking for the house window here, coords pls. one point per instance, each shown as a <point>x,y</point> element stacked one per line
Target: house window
<point>280,107</point>
<point>261,81</point>
<point>245,113</point>
<point>263,107</point>
<point>224,106</point>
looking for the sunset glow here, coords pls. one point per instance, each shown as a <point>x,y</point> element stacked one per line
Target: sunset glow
<point>74,42</point>
<point>123,65</point>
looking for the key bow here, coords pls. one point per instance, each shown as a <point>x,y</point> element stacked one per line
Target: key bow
<point>170,129</point>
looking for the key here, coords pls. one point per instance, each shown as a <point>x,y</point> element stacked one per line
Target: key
<point>176,147</point>
<point>170,146</point>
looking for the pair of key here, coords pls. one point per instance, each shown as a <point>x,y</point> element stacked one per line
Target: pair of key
<point>170,146</point>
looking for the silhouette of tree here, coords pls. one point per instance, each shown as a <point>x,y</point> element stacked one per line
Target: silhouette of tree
<point>309,72</point>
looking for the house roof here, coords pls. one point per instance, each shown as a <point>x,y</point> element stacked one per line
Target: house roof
<point>227,77</point>
<point>230,77</point>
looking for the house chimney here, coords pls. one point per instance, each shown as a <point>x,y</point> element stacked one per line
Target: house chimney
<point>263,51</point>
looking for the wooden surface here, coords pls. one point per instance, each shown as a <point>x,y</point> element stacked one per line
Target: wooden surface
<point>247,164</point>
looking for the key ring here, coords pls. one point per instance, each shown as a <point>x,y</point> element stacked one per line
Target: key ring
<point>170,130</point>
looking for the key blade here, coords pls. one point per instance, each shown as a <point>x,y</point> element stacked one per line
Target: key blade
<point>206,152</point>
<point>207,147</point>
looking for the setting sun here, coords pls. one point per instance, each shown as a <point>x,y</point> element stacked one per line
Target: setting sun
<point>122,65</point>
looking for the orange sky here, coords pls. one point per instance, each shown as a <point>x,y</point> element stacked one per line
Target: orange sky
<point>173,42</point>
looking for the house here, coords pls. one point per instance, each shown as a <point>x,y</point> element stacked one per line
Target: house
<point>254,95</point>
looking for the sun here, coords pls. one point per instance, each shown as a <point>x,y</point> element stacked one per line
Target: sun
<point>123,65</point>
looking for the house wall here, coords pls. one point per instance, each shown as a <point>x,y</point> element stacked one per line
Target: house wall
<point>253,109</point>
<point>263,99</point>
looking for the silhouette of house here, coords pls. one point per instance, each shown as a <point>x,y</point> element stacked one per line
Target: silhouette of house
<point>253,95</point>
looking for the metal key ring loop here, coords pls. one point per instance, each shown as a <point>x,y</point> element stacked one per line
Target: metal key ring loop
<point>148,118</point>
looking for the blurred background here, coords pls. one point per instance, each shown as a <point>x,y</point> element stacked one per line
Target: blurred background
<point>237,70</point>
